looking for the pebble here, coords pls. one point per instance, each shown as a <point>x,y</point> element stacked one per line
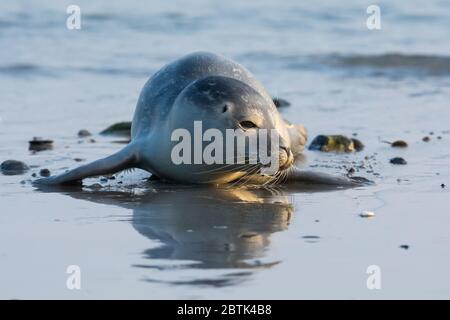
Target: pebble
<point>13,167</point>
<point>442,186</point>
<point>426,139</point>
<point>84,133</point>
<point>398,160</point>
<point>44,173</point>
<point>367,214</point>
<point>279,102</point>
<point>39,144</point>
<point>399,144</point>
<point>120,129</point>
<point>404,246</point>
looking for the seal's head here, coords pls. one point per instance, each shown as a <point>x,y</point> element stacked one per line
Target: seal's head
<point>233,131</point>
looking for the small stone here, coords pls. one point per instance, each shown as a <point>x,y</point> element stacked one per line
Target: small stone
<point>119,129</point>
<point>279,102</point>
<point>92,141</point>
<point>431,133</point>
<point>84,133</point>
<point>426,139</point>
<point>442,186</point>
<point>357,144</point>
<point>367,214</point>
<point>404,246</point>
<point>399,144</point>
<point>350,171</point>
<point>398,160</point>
<point>34,175</point>
<point>103,180</point>
<point>335,143</point>
<point>39,144</point>
<point>439,137</point>
<point>78,159</point>
<point>13,167</point>
<point>44,173</point>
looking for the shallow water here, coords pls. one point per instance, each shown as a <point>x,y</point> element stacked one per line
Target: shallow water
<point>145,240</point>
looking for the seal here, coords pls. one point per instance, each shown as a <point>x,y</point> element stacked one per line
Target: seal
<point>222,95</point>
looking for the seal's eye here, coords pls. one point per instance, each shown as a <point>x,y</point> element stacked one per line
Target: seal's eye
<point>247,124</point>
<point>225,108</point>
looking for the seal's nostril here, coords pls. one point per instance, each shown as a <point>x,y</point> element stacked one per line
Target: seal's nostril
<point>225,108</point>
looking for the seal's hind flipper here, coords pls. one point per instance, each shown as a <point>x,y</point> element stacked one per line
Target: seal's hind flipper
<point>124,159</point>
<point>296,175</point>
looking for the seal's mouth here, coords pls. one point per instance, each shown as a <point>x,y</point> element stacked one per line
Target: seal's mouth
<point>286,158</point>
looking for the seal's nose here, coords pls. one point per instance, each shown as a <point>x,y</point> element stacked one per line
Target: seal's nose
<point>286,157</point>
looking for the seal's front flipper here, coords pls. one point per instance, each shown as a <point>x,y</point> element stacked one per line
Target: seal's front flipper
<point>124,159</point>
<point>297,176</point>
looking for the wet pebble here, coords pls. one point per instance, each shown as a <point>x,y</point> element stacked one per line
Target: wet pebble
<point>84,133</point>
<point>39,144</point>
<point>13,167</point>
<point>357,144</point>
<point>118,129</point>
<point>78,159</point>
<point>44,172</point>
<point>398,160</point>
<point>279,102</point>
<point>442,186</point>
<point>404,246</point>
<point>426,139</point>
<point>399,144</point>
<point>367,214</point>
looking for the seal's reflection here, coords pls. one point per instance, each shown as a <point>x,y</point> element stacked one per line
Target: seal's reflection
<point>202,228</point>
<point>216,228</point>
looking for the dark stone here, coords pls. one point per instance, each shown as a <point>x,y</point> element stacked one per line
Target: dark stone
<point>280,103</point>
<point>398,160</point>
<point>337,143</point>
<point>399,144</point>
<point>357,144</point>
<point>118,129</point>
<point>39,144</point>
<point>426,139</point>
<point>84,133</point>
<point>13,167</point>
<point>318,143</point>
<point>44,173</point>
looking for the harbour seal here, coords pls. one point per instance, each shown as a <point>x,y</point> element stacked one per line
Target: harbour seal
<point>222,95</point>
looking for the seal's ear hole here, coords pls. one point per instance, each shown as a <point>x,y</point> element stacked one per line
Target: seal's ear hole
<point>247,124</point>
<point>225,108</point>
